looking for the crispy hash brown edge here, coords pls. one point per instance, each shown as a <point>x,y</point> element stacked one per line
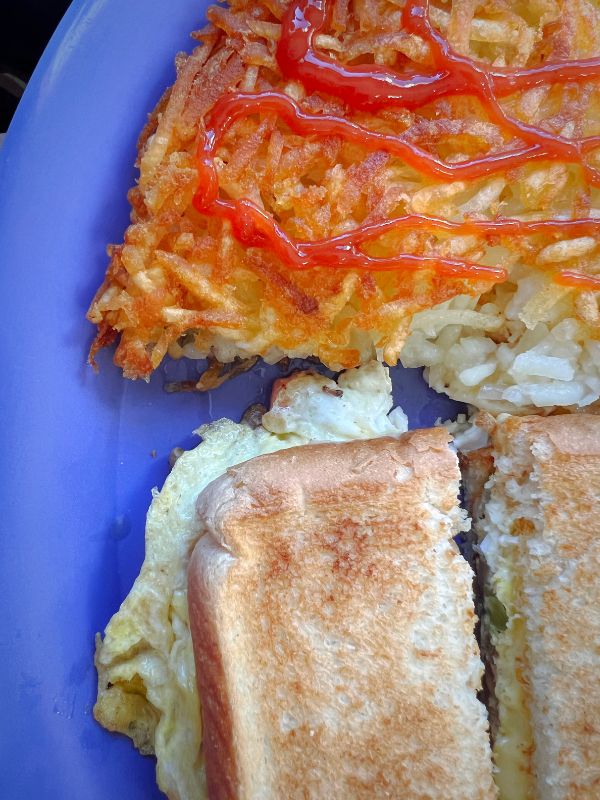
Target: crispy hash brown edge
<point>181,283</point>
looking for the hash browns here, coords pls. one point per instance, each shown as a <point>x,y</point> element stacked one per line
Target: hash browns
<point>180,283</point>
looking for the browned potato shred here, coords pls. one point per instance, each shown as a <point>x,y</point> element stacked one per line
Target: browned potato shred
<point>179,272</point>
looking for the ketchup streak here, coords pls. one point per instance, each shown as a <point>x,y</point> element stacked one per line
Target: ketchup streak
<point>373,87</point>
<point>234,106</point>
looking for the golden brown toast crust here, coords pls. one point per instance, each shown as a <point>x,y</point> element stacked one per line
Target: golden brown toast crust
<point>332,619</point>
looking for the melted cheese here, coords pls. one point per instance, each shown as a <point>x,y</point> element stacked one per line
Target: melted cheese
<point>514,742</point>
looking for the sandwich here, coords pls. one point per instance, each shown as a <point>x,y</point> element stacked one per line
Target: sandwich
<point>325,644</point>
<point>536,521</point>
<point>147,687</point>
<point>374,179</point>
<point>332,621</point>
<point>350,564</point>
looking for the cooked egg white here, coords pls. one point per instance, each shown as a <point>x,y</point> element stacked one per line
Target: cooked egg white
<point>145,662</point>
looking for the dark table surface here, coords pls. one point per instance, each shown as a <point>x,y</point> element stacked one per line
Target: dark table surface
<point>25,28</point>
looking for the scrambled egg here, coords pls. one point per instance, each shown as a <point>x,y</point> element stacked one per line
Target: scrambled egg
<point>146,673</point>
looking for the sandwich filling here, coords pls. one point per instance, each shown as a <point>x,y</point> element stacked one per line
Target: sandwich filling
<point>507,534</point>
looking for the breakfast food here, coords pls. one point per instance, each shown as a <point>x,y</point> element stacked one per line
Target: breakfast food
<point>493,353</point>
<point>332,620</point>
<point>329,177</point>
<point>398,181</point>
<point>537,523</point>
<point>146,675</point>
<point>532,495</point>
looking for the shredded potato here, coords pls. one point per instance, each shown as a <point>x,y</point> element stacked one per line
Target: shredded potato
<point>180,282</point>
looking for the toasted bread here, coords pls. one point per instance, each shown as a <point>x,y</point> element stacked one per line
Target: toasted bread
<point>332,620</point>
<point>540,534</point>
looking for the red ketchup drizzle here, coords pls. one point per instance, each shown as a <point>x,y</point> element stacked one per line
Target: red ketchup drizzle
<point>373,87</point>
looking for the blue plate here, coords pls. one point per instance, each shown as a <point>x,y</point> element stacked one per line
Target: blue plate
<point>81,451</point>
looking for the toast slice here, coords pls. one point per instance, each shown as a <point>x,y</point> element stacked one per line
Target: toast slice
<point>539,532</point>
<point>332,619</point>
